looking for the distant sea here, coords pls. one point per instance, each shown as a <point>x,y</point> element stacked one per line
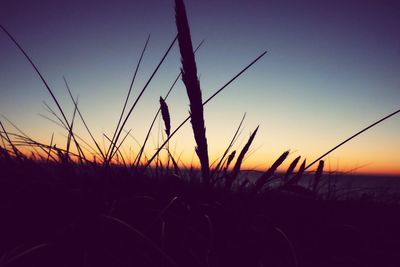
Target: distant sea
<point>377,184</point>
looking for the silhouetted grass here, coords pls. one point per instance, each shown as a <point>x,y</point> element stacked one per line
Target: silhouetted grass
<point>192,84</point>
<point>235,171</point>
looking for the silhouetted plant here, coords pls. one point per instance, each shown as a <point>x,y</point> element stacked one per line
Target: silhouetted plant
<point>235,171</point>
<point>192,84</point>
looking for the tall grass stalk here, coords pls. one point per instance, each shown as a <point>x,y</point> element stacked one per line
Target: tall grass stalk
<point>192,84</point>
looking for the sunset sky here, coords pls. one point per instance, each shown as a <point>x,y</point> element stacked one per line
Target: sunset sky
<point>332,68</point>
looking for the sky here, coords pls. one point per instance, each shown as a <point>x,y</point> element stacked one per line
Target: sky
<point>332,68</point>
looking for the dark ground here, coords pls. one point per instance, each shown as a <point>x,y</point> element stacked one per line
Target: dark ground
<point>69,215</point>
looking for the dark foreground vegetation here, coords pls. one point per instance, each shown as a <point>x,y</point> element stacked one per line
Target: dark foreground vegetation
<point>55,214</point>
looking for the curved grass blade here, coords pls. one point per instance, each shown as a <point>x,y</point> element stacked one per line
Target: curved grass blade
<point>24,253</point>
<point>142,237</point>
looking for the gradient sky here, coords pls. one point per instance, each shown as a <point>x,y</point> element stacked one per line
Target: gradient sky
<point>332,68</point>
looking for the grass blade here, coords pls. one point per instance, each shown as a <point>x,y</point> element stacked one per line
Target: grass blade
<point>24,253</point>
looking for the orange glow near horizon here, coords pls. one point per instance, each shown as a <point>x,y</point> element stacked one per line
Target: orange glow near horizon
<point>252,163</point>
